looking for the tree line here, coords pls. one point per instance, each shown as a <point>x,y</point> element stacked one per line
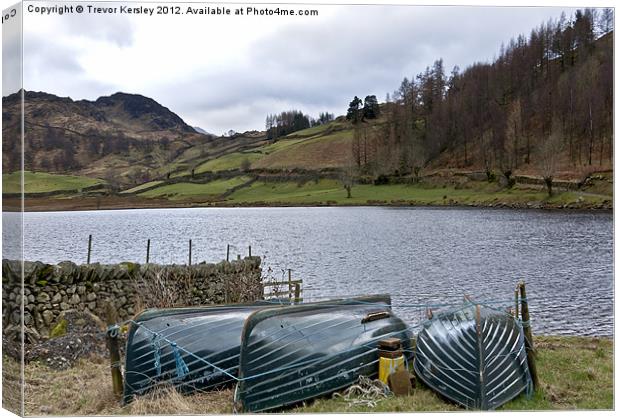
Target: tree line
<point>278,125</point>
<point>544,98</point>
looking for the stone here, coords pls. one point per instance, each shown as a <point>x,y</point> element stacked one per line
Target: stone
<point>48,317</point>
<point>91,296</point>
<point>92,306</point>
<point>57,298</point>
<point>96,287</point>
<point>75,299</point>
<point>81,290</point>
<point>71,290</point>
<point>43,297</point>
<point>64,306</point>
<point>31,298</point>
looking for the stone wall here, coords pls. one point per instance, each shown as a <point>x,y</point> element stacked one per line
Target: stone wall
<point>127,288</point>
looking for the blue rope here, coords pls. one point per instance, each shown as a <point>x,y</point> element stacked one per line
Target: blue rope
<point>182,368</point>
<point>155,341</point>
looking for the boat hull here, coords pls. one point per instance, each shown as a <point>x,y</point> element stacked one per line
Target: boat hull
<point>297,353</point>
<point>211,334</point>
<point>475,356</point>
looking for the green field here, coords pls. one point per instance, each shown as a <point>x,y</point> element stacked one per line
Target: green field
<point>332,192</point>
<point>143,186</point>
<point>228,162</point>
<point>45,182</point>
<point>180,191</point>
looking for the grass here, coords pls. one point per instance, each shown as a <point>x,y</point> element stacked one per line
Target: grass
<point>39,182</point>
<point>143,186</point>
<point>321,151</point>
<point>332,192</point>
<point>228,161</point>
<point>194,190</point>
<point>575,373</point>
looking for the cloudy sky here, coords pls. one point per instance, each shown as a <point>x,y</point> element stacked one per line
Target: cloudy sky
<point>229,72</point>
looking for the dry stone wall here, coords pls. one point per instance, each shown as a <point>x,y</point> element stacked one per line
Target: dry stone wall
<point>127,288</point>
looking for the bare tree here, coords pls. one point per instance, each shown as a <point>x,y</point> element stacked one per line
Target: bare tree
<point>347,178</point>
<point>549,153</point>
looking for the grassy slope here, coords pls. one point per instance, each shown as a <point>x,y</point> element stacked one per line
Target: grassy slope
<point>189,190</point>
<point>575,373</point>
<point>40,182</point>
<point>331,191</point>
<point>315,147</point>
<point>228,161</point>
<point>143,186</point>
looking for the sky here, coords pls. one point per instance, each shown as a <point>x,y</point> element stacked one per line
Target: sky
<point>229,72</point>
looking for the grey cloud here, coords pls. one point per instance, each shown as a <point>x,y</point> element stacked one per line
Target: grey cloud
<point>316,66</point>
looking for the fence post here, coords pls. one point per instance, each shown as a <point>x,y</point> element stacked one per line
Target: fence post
<point>190,252</point>
<point>227,252</point>
<point>517,302</point>
<point>527,330</point>
<point>148,250</point>
<point>115,357</point>
<point>249,250</point>
<point>290,286</point>
<point>90,242</point>
<point>297,292</point>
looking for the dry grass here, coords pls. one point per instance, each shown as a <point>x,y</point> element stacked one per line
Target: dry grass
<point>86,389</point>
<point>11,385</point>
<point>575,373</point>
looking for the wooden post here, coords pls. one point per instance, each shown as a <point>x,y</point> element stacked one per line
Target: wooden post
<point>90,242</point>
<point>290,286</point>
<point>190,252</point>
<point>227,252</point>
<point>115,357</point>
<point>249,250</point>
<point>238,256</point>
<point>297,293</point>
<point>148,250</point>
<point>517,302</point>
<point>527,330</point>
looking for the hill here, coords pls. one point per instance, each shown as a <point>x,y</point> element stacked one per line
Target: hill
<point>123,137</point>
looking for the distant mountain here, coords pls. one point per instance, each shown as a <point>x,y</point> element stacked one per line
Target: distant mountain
<point>118,137</point>
<point>202,131</point>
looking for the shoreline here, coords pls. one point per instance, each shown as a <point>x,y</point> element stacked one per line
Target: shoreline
<point>91,204</point>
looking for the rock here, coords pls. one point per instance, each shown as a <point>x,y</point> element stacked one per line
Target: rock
<point>48,317</point>
<point>57,298</point>
<point>64,306</point>
<point>71,290</point>
<point>91,297</point>
<point>81,290</point>
<point>43,297</point>
<point>31,298</point>
<point>96,287</point>
<point>75,299</point>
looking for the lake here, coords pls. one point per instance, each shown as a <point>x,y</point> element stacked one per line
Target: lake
<point>418,255</point>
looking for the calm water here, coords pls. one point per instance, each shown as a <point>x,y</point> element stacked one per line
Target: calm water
<point>419,255</point>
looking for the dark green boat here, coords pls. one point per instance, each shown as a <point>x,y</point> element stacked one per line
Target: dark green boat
<point>190,348</point>
<point>474,355</point>
<point>295,353</point>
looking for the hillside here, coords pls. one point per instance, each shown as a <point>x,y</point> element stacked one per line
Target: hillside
<point>533,128</point>
<point>122,138</point>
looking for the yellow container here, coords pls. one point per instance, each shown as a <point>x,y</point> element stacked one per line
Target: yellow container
<point>387,366</point>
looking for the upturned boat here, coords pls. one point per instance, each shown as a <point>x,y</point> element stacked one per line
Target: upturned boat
<point>190,348</point>
<point>295,353</point>
<point>475,356</point>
